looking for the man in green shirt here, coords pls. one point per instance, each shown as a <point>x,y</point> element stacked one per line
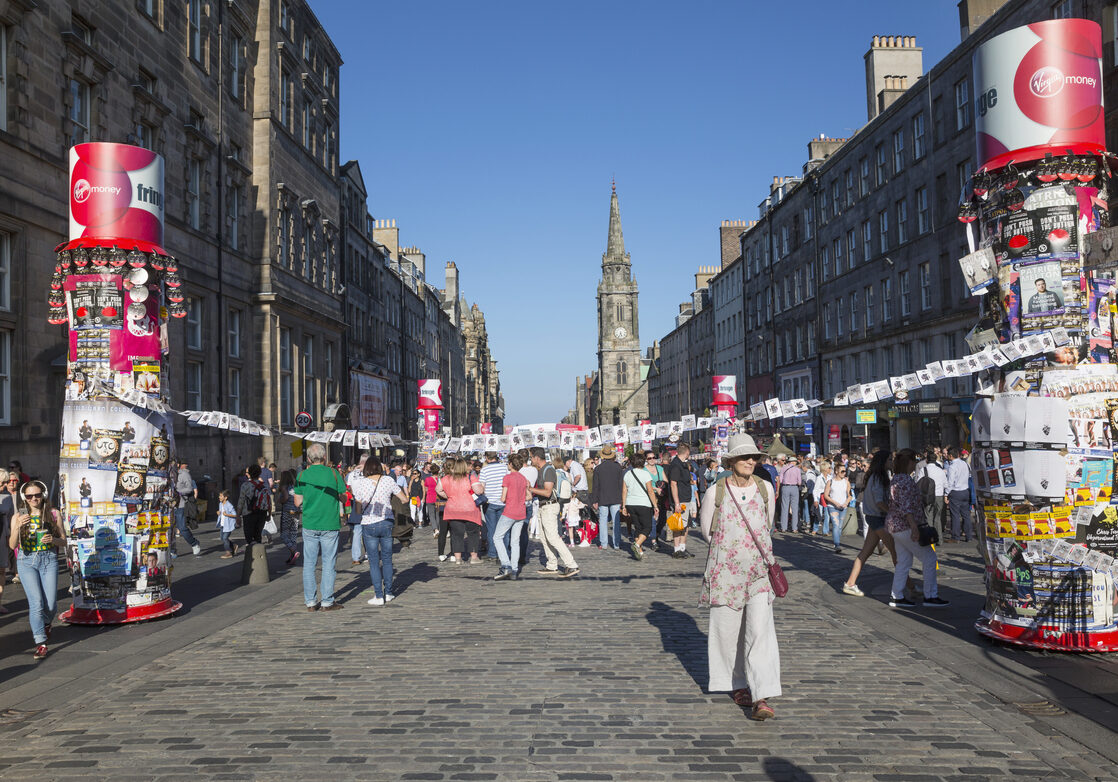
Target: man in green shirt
<point>320,493</point>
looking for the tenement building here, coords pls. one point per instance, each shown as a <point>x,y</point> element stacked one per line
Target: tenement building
<point>288,288</point>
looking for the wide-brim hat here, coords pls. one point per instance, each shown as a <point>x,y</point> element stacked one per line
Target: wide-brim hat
<point>607,452</point>
<point>741,445</point>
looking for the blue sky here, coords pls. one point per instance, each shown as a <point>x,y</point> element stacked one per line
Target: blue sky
<point>489,131</point>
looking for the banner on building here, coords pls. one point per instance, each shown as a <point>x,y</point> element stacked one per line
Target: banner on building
<point>368,400</point>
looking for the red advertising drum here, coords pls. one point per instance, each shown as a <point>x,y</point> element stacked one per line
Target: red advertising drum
<point>1038,90</point>
<point>725,391</point>
<point>430,395</point>
<point>116,193</point>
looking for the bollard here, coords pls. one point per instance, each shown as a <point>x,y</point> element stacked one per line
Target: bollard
<point>255,567</point>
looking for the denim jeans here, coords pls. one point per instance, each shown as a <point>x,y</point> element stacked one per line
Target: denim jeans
<point>805,511</point>
<point>38,573</point>
<point>835,516</point>
<point>492,516</point>
<point>508,554</point>
<point>356,548</point>
<point>378,545</point>
<point>225,541</point>
<point>315,541</point>
<point>606,513</point>
<point>180,525</point>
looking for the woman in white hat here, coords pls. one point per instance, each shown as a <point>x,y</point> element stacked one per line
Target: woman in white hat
<point>741,642</point>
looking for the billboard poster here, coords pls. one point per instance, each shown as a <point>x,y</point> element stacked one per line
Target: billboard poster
<point>368,400</point>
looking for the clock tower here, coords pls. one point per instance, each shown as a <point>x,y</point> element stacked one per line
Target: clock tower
<point>623,393</point>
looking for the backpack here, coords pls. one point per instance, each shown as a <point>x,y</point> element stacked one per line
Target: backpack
<point>720,492</point>
<point>261,498</point>
<point>927,488</point>
<point>562,486</point>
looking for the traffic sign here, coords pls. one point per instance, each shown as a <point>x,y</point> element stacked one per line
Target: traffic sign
<point>303,420</point>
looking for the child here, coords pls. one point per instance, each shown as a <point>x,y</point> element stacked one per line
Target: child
<point>226,522</point>
<point>573,514</point>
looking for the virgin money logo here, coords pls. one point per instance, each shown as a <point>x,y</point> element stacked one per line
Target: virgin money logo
<point>81,191</point>
<point>1047,82</point>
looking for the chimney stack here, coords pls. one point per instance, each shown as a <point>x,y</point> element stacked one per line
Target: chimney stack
<point>893,63</point>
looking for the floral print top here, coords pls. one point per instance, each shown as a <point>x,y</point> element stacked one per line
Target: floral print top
<point>904,498</point>
<point>736,571</point>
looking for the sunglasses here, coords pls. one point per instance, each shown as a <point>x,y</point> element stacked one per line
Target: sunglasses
<point>13,480</point>
<point>36,495</point>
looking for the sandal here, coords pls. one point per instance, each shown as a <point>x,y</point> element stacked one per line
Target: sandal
<point>742,697</point>
<point>762,711</point>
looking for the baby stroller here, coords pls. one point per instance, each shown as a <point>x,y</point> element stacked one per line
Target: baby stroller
<point>587,530</point>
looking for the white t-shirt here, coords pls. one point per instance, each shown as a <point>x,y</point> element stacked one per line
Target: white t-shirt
<point>840,490</point>
<point>375,495</point>
<point>635,491</point>
<point>578,476</point>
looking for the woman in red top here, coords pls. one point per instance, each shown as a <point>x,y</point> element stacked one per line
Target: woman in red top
<point>458,486</point>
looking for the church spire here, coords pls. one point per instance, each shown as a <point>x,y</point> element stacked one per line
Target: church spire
<point>615,246</point>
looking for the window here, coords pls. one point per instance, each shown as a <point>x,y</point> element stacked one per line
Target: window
<point>925,286</point>
<point>883,230</point>
<point>308,123</point>
<point>5,270</point>
<point>194,29</point>
<point>962,104</point>
<point>869,306</point>
<point>797,296</point>
<point>962,175</point>
<point>785,246</point>
<point>867,241</point>
<point>923,219</point>
<point>906,295</point>
<point>851,247</point>
<point>838,318</point>
<point>193,385</point>
<point>1065,9</point>
<point>287,118</point>
<point>330,389</point>
<point>848,177</point>
<point>234,391</point>
<point>284,17</point>
<point>864,175</point>
<point>194,193</point>
<point>902,221</point>
<point>79,112</point>
<point>919,146</point>
<point>236,67</point>
<point>887,300</point>
<point>835,202</point>
<point>853,313</point>
<point>809,218</point>
<point>284,238</point>
<point>235,217</point>
<point>308,375</point>
<point>880,170</point>
<point>145,136</point>
<point>287,413</point>
<point>622,370</point>
<point>825,260</point>
<point>898,150</point>
<point>234,335</point>
<point>809,284</point>
<point>194,324</point>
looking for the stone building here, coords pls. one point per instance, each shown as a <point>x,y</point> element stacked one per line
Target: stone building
<point>623,393</point>
<point>288,285</point>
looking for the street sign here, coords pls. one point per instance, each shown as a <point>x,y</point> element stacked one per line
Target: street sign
<point>303,420</point>
<point>865,416</point>
<point>808,429</point>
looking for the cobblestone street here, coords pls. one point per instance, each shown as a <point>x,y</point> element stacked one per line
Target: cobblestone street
<point>599,678</point>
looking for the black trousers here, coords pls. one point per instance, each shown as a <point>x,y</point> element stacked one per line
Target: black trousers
<point>444,528</point>
<point>253,525</point>
<point>464,537</point>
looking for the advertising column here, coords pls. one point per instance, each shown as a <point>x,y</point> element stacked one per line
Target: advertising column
<point>1046,407</point>
<point>430,404</point>
<point>116,468</point>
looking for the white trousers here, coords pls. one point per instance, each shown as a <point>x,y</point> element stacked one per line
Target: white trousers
<point>907,550</point>
<point>742,650</point>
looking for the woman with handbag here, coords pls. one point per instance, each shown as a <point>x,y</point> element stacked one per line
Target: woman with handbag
<point>905,507</point>
<point>373,492</point>
<point>461,488</point>
<point>741,581</point>
<point>875,503</point>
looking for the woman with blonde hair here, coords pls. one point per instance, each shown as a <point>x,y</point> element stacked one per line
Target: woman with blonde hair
<point>38,534</point>
<point>460,487</point>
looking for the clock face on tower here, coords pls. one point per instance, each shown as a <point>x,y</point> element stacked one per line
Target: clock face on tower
<point>620,332</point>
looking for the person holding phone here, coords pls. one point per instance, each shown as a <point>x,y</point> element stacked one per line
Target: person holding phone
<point>38,534</point>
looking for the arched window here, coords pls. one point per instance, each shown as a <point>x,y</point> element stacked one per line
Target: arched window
<point>622,373</point>
<point>620,313</point>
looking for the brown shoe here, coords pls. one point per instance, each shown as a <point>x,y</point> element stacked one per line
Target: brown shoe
<point>333,607</point>
<point>742,697</point>
<point>312,608</point>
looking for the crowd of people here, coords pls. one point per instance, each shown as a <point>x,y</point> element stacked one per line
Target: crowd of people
<point>491,508</point>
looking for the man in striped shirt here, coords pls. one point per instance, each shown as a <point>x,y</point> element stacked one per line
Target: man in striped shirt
<point>492,474</point>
